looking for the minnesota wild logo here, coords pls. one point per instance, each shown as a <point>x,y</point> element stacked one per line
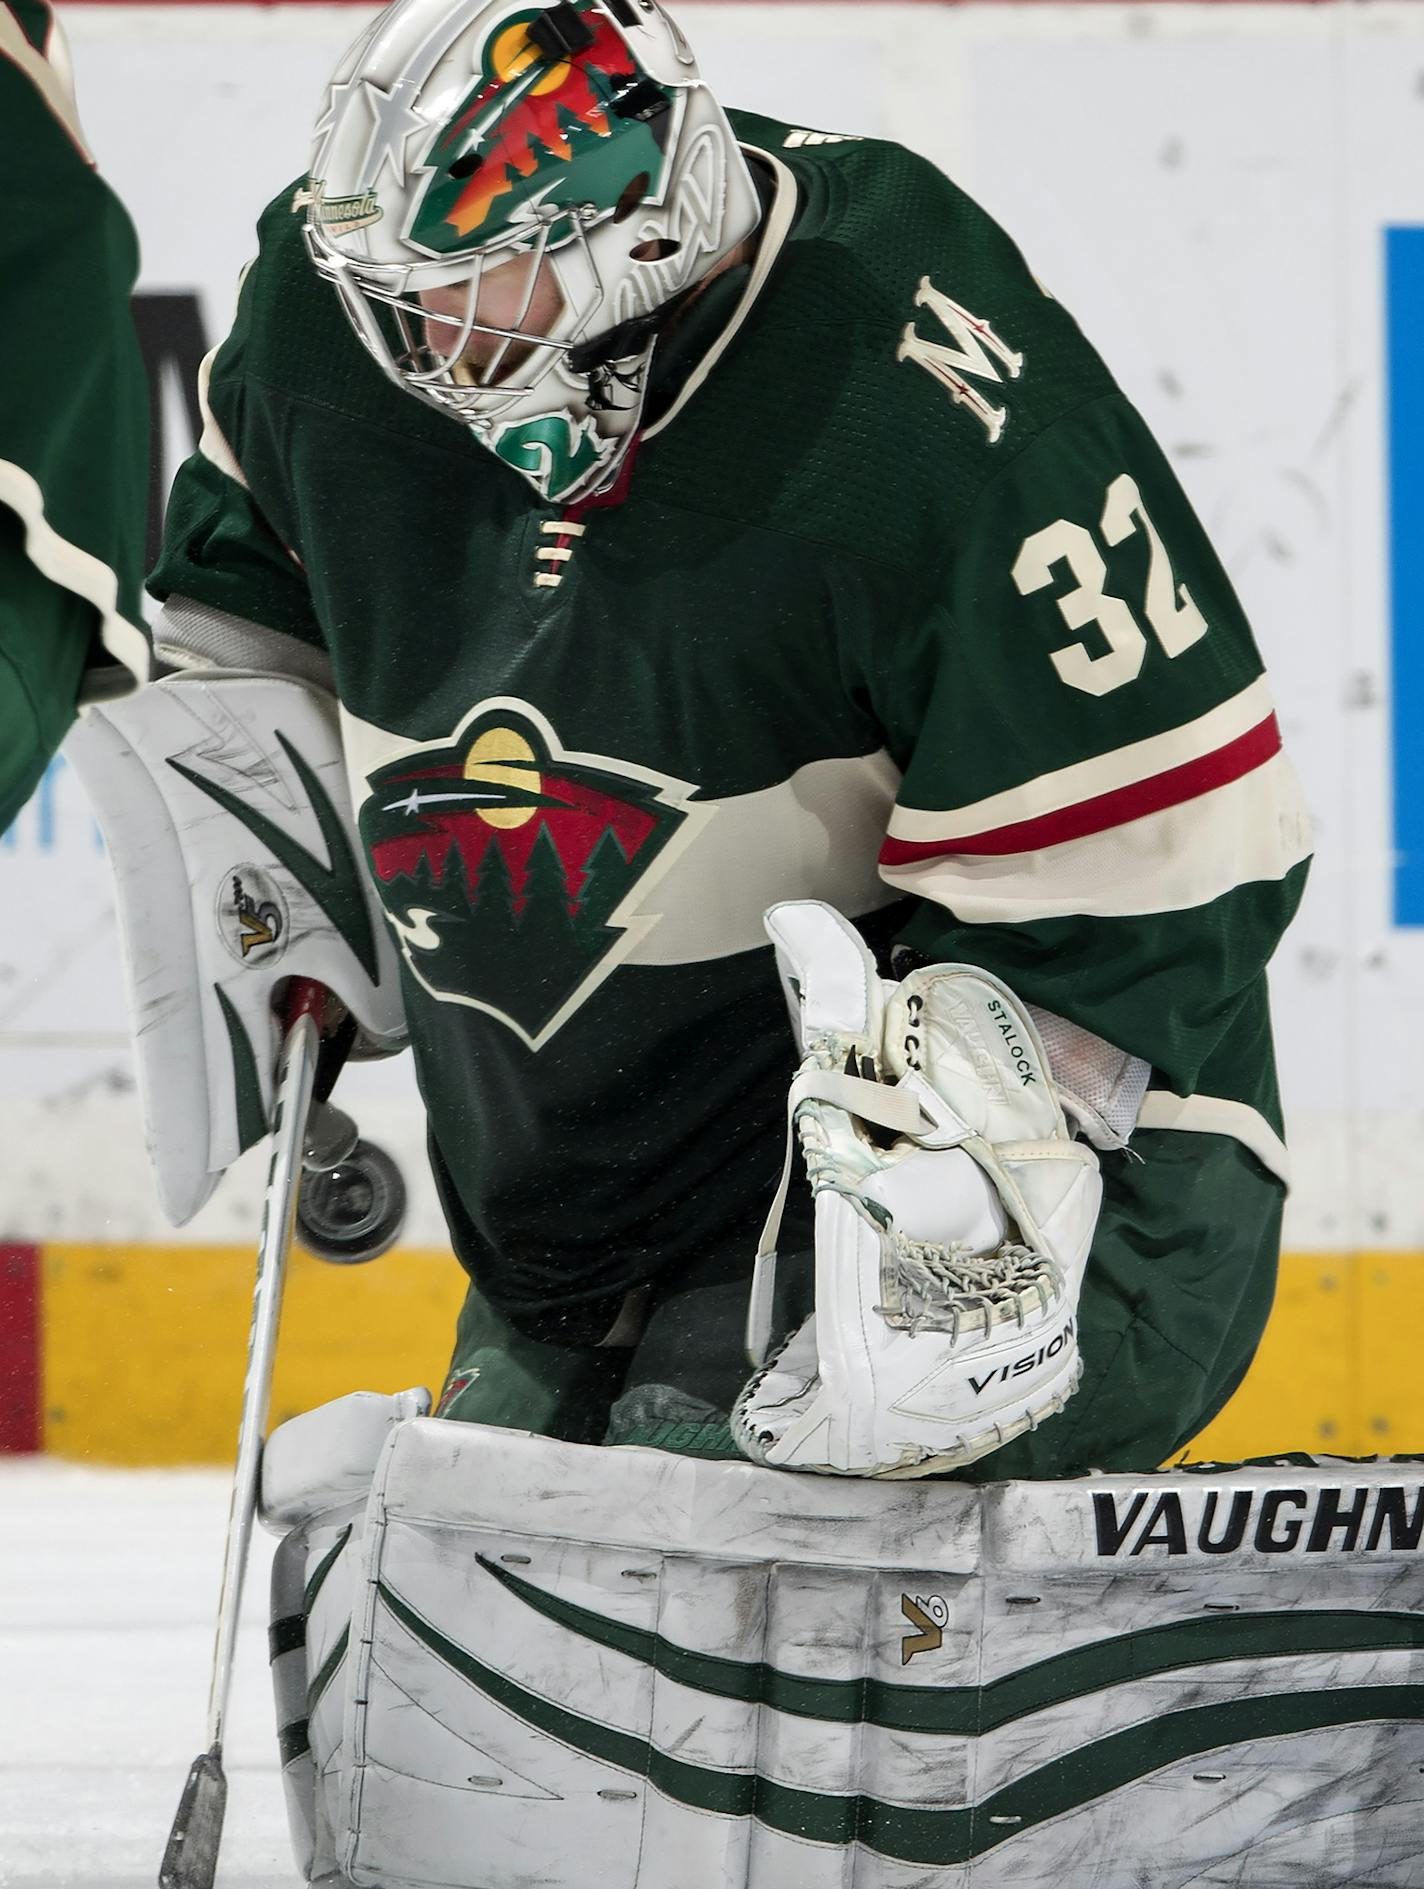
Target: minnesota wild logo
<point>548,94</point>
<point>511,869</point>
<point>552,451</point>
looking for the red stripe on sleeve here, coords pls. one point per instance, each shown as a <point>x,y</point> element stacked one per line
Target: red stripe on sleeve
<point>19,1348</point>
<point>1123,804</point>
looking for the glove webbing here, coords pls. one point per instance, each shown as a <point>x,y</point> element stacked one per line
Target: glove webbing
<point>876,1102</point>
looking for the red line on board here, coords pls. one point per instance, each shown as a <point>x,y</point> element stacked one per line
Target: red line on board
<point>19,1348</point>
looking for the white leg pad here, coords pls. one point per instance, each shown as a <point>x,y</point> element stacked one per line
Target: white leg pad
<point>569,1666</point>
<point>326,1458</point>
<point>316,1476</point>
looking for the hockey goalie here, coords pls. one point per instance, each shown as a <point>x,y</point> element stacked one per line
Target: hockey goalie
<point>742,588</point>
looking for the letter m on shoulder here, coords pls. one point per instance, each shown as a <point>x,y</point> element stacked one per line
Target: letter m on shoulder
<point>975,342</point>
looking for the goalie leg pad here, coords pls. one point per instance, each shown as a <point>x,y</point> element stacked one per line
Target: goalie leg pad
<point>620,1667</point>
<point>315,1478</point>
<point>314,1595</point>
<point>325,1458</point>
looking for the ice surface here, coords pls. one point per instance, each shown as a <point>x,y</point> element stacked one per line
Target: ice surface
<point>108,1589</point>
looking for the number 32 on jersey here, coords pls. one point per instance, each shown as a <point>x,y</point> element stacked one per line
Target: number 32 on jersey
<point>1171,615</point>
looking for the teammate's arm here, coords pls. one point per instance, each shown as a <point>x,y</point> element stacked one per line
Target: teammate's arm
<point>73,416</point>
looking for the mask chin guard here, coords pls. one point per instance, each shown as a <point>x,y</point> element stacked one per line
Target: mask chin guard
<point>629,337</point>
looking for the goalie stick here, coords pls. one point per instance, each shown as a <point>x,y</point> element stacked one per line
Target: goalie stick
<point>191,1857</point>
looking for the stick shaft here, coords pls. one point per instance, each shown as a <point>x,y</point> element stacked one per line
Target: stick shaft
<point>296,1069</point>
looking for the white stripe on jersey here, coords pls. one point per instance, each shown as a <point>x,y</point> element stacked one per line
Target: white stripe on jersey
<point>1214,1115</point>
<point>213,442</point>
<point>73,568</point>
<point>51,77</point>
<point>1252,828</point>
<point>1087,780</point>
<point>814,836</point>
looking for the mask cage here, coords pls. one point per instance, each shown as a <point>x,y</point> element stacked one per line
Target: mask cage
<point>394,326</point>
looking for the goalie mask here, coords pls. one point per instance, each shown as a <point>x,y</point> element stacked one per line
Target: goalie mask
<point>510,201</point>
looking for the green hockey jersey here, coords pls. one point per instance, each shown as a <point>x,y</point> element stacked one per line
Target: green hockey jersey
<point>73,414</point>
<point>900,607</point>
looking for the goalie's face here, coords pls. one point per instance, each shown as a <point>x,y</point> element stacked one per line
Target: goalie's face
<point>485,330</point>
<point>539,177</point>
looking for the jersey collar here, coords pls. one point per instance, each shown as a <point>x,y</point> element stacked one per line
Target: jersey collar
<point>780,215</point>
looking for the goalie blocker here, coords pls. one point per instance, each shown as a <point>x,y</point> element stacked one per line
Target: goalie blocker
<point>223,801</point>
<point>670,1674</point>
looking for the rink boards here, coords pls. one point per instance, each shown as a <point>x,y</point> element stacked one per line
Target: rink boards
<point>169,1393</point>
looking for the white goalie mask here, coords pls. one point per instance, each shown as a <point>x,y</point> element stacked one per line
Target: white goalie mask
<point>509,200</point>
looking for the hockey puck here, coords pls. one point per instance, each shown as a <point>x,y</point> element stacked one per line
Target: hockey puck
<point>354,1211</point>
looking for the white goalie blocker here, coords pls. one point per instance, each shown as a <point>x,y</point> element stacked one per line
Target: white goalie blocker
<point>670,1674</point>
<point>224,805</point>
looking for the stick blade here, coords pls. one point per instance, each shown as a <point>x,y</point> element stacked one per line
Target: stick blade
<point>191,1858</point>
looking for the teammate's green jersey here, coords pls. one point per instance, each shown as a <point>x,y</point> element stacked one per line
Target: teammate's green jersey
<point>73,415</point>
<point>901,608</point>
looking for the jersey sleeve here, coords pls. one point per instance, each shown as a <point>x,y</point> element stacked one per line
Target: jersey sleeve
<point>73,397</point>
<point>1095,803</point>
<point>220,547</point>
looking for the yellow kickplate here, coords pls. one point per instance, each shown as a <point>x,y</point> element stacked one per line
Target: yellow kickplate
<point>1337,1372</point>
<point>145,1347</point>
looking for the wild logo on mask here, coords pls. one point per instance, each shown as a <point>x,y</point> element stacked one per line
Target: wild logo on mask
<point>515,137</point>
<point>511,868</point>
